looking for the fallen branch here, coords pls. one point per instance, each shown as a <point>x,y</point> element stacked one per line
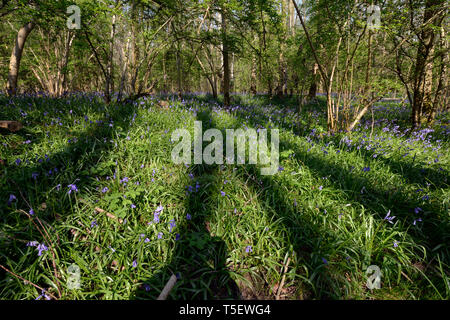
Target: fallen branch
<point>282,279</point>
<point>109,215</point>
<point>169,286</point>
<point>12,126</point>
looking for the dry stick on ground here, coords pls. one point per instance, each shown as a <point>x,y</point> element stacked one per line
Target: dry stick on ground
<point>109,215</point>
<point>282,279</point>
<point>169,286</point>
<point>27,281</point>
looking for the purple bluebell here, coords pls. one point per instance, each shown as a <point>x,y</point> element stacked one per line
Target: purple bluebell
<point>172,225</point>
<point>43,295</point>
<point>388,218</point>
<point>40,248</point>
<point>11,199</point>
<point>72,187</point>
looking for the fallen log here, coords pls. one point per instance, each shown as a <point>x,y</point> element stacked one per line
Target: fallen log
<point>12,126</point>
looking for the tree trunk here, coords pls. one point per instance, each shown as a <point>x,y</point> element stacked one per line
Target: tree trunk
<point>442,87</point>
<point>16,57</point>
<point>423,74</point>
<point>253,77</point>
<point>313,88</point>
<point>226,63</point>
<point>109,78</point>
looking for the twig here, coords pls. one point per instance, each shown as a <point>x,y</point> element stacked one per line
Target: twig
<point>109,215</point>
<point>282,279</point>
<point>169,286</point>
<point>27,281</point>
<point>403,274</point>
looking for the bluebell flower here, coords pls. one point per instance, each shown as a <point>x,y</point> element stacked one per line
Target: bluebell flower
<point>388,217</point>
<point>32,244</point>
<point>147,287</point>
<point>40,248</point>
<point>172,225</point>
<point>11,199</point>
<point>160,235</point>
<point>43,295</point>
<point>72,187</point>
<point>188,216</point>
<point>248,249</point>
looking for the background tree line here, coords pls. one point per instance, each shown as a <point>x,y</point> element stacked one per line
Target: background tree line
<point>128,49</point>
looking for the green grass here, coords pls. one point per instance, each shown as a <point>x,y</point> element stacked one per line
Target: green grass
<point>322,212</point>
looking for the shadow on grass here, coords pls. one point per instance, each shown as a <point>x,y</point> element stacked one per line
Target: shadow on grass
<point>199,259</point>
<point>308,237</point>
<point>33,183</point>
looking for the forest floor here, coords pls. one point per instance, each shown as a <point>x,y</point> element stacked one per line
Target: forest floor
<point>338,204</point>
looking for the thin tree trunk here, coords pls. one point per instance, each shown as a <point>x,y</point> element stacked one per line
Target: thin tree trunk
<point>109,79</point>
<point>16,57</point>
<point>253,77</point>
<point>226,64</point>
<point>313,88</point>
